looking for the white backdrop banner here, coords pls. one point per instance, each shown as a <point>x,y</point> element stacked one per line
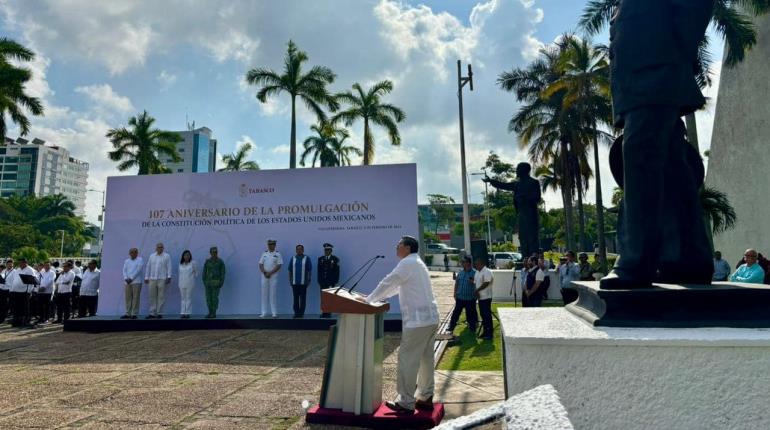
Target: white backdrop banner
<point>362,211</point>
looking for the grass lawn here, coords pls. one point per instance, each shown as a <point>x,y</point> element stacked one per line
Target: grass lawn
<point>470,353</point>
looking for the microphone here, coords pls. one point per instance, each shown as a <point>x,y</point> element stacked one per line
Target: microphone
<point>356,272</point>
<point>365,272</point>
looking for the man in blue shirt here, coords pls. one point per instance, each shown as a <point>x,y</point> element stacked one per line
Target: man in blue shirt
<point>749,272</point>
<point>721,268</point>
<point>300,267</point>
<point>568,271</point>
<point>465,297</point>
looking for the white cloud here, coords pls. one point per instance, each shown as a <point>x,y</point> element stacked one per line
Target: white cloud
<point>280,149</point>
<point>166,79</point>
<point>103,96</point>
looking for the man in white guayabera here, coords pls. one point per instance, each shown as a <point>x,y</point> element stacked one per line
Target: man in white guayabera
<point>270,265</point>
<point>158,276</point>
<point>419,318</point>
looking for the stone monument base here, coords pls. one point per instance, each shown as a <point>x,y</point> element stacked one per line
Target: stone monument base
<point>721,304</point>
<point>639,378</point>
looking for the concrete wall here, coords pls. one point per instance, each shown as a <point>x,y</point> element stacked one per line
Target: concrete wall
<point>740,148</point>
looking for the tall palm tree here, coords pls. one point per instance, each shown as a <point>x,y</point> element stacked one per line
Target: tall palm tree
<point>13,79</point>
<point>542,123</point>
<point>328,146</point>
<point>367,105</point>
<point>237,161</point>
<point>310,87</point>
<point>141,145</point>
<point>585,81</point>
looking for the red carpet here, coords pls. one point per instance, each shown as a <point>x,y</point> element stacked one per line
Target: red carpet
<point>383,418</point>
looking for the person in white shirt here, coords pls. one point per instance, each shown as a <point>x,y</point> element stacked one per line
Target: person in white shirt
<point>569,271</point>
<point>89,291</point>
<point>158,276</point>
<point>132,283</point>
<point>419,318</point>
<point>5,288</point>
<point>269,265</point>
<point>44,291</point>
<point>78,271</point>
<point>188,272</point>
<point>19,294</point>
<point>63,286</point>
<point>537,284</point>
<point>483,282</point>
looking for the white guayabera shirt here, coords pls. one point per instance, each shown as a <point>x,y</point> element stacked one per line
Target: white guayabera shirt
<point>411,281</point>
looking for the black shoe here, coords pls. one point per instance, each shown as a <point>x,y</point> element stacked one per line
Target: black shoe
<point>159,316</point>
<point>395,407</point>
<point>150,317</point>
<point>209,316</point>
<point>326,315</point>
<point>133,317</point>
<point>619,280</point>
<point>424,405</point>
<point>125,317</point>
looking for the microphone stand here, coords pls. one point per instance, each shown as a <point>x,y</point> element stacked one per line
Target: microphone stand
<point>365,272</point>
<point>355,273</point>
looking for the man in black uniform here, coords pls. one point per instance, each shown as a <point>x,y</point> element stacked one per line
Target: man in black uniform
<point>328,270</point>
<point>653,55</point>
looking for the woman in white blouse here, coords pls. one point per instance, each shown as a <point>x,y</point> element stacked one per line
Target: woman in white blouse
<point>188,271</point>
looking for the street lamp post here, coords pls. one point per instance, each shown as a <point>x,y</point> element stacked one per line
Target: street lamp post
<point>461,81</point>
<point>61,250</point>
<point>486,205</point>
<point>101,221</point>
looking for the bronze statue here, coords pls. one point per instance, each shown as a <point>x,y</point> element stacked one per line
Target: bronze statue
<point>653,54</point>
<point>526,197</point>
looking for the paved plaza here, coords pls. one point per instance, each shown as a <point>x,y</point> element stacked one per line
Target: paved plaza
<point>191,379</point>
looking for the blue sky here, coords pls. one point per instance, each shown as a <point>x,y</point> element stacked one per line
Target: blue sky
<point>101,62</point>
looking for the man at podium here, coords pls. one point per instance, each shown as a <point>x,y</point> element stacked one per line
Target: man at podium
<point>419,319</point>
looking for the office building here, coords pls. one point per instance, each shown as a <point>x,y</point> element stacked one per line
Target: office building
<point>198,152</point>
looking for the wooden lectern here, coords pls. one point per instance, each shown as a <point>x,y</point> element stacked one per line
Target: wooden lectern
<point>352,378</point>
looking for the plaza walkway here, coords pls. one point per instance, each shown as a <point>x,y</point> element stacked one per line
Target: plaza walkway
<point>254,379</point>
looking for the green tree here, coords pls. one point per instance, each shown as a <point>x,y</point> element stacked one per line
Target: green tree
<point>237,161</point>
<point>441,206</point>
<point>310,87</point>
<point>328,146</point>
<point>501,209</point>
<point>32,255</point>
<point>368,106</point>
<point>585,81</point>
<point>542,123</point>
<point>13,80</point>
<point>141,145</point>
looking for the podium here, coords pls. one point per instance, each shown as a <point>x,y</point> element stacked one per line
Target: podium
<point>352,378</point>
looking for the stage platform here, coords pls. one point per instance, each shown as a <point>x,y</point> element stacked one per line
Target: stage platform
<point>102,324</point>
<point>382,419</point>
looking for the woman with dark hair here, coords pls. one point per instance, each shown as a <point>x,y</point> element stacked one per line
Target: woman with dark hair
<point>188,271</point>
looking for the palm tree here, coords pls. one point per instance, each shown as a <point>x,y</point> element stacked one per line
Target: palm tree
<point>13,99</point>
<point>542,123</point>
<point>367,105</point>
<point>585,80</point>
<point>237,161</point>
<point>717,210</point>
<point>328,146</point>
<point>142,145</point>
<point>309,87</point>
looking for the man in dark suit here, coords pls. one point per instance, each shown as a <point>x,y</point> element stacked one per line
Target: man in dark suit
<point>328,270</point>
<point>653,53</point>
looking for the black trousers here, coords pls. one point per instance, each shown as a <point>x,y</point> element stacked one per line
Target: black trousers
<point>63,301</point>
<point>660,201</point>
<point>3,305</point>
<point>19,305</point>
<point>469,306</point>
<point>75,296</point>
<point>43,306</point>
<point>568,295</point>
<point>323,287</point>
<point>300,297</point>
<point>87,305</point>
<point>485,309</point>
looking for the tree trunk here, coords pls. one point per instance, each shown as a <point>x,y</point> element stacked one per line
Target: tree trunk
<point>692,130</point>
<point>567,196</point>
<point>367,143</point>
<point>599,204</point>
<point>293,143</point>
<point>581,216</point>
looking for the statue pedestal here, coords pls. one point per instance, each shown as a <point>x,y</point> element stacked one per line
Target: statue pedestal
<point>722,304</point>
<point>639,378</point>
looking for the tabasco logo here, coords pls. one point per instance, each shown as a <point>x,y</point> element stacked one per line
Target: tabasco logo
<point>246,190</point>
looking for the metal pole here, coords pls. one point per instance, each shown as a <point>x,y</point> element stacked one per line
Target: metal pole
<point>486,209</point>
<point>466,218</point>
<point>61,251</point>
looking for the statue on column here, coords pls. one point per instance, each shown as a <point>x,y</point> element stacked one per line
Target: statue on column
<point>526,197</point>
<point>653,55</point>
